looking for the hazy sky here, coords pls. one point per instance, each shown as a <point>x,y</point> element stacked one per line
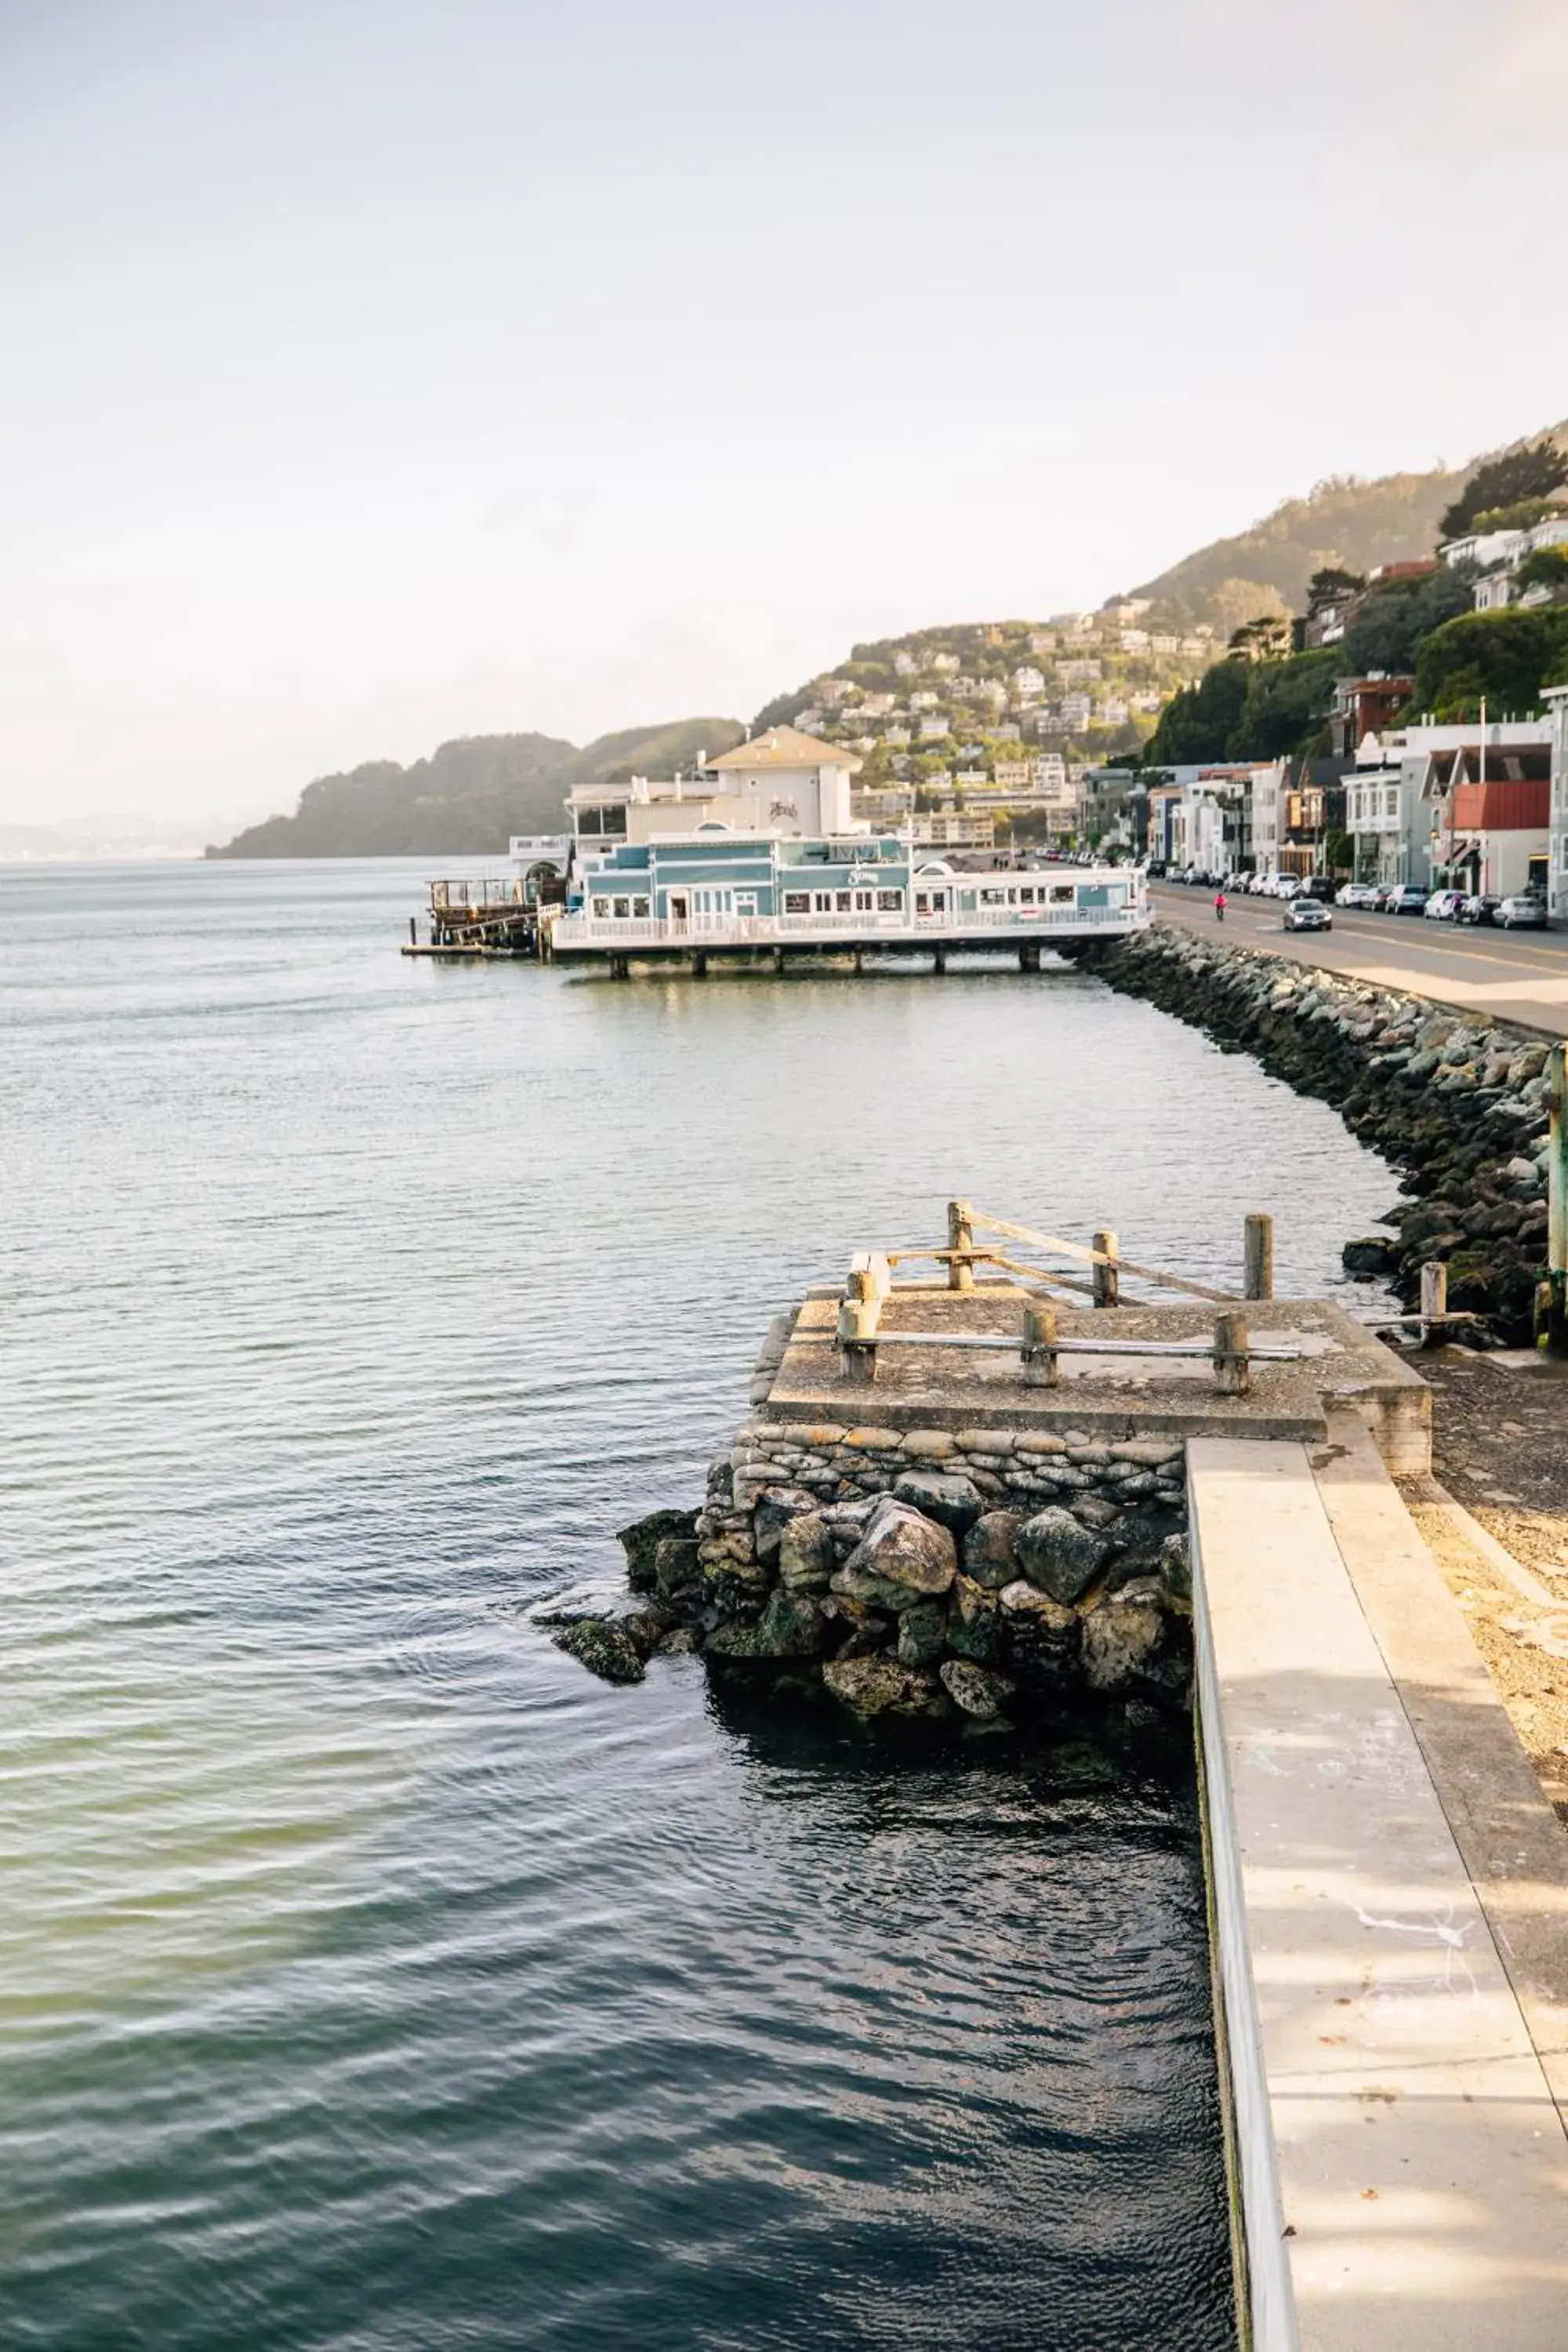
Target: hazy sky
<point>377,371</point>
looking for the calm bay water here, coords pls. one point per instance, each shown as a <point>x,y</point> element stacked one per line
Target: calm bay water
<point>370,1977</point>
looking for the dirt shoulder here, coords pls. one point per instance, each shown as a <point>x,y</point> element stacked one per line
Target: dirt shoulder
<point>1501,1450</point>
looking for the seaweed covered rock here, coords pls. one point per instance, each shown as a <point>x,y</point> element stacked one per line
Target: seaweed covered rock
<point>603,1645</point>
<point>874,1687</point>
<point>976,1689</point>
<point>641,1541</point>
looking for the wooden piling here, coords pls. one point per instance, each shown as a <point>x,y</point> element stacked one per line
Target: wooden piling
<point>858,1322</point>
<point>698,964</point>
<point>1257,1257</point>
<point>1107,1275</point>
<point>939,960</point>
<point>1040,1359</point>
<point>1232,1371</point>
<point>960,1238</point>
<point>1434,1302</point>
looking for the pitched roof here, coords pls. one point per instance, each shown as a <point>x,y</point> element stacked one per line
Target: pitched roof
<point>786,747</point>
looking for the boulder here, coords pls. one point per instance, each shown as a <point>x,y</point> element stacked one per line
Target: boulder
<point>1060,1555</point>
<point>603,1645</point>
<point>1039,1637</point>
<point>791,1626</point>
<point>1126,1639</point>
<point>873,1687</point>
<point>943,1496</point>
<point>990,1548</point>
<point>974,1689</point>
<point>675,1564</point>
<point>975,1621</point>
<point>805,1553</point>
<point>1373,1254</point>
<point>922,1633</point>
<point>904,1549</point>
<point>775,1508</point>
<point>641,1541</point>
<point>862,1590</point>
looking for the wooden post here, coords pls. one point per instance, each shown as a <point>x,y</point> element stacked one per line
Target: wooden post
<point>1232,1372</point>
<point>1107,1278</point>
<point>698,964</point>
<point>1257,1257</point>
<point>413,932</point>
<point>778,962</point>
<point>1557,1203</point>
<point>1040,1363</point>
<point>939,960</point>
<point>960,1236</point>
<point>1434,1302</point>
<point>858,1321</point>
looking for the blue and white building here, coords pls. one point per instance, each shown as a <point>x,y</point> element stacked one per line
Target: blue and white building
<point>758,848</point>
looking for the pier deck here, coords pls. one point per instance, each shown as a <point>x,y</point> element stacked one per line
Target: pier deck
<point>1391,1895</point>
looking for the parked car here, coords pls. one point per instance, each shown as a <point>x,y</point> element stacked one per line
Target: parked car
<point>1381,896</point>
<point>1356,894</point>
<point>1287,886</point>
<point>1479,910</point>
<point>1304,914</point>
<point>1409,899</point>
<point>1443,906</point>
<point>1525,911</point>
<point>1320,885</point>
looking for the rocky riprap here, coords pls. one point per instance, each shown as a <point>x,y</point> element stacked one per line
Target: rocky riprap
<point>1458,1106</point>
<point>988,1576</point>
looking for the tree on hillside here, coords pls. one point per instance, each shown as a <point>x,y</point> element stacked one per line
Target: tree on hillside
<point>1387,629</point>
<point>1286,706</point>
<point>1505,656</point>
<point>1534,472</point>
<point>1197,723</point>
<point>1328,586</point>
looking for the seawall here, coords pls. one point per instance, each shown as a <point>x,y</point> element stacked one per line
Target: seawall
<point>1459,1108</point>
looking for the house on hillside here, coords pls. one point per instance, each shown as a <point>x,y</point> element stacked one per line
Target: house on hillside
<point>1363,707</point>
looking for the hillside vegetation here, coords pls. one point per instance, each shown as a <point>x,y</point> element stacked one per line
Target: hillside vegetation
<point>470,794</point>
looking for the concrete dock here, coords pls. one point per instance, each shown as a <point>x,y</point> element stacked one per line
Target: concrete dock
<point>1391,1907</point>
<point>1388,1884</point>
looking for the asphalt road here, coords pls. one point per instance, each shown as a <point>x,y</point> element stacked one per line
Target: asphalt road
<point>1518,976</point>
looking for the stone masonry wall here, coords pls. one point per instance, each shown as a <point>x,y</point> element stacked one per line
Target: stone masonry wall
<point>987,1574</point>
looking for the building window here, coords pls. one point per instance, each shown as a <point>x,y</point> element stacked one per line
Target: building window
<point>846,901</point>
<point>824,904</point>
<point>1027,895</point>
<point>1391,800</point>
<point>993,897</point>
<point>640,906</point>
<point>890,902</point>
<point>601,906</point>
<point>623,909</point>
<point>797,902</point>
<point>1063,895</point>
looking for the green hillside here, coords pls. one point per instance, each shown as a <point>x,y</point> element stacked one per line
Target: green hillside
<point>470,794</point>
<point>1343,524</point>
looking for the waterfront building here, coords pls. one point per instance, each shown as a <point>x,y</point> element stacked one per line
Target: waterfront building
<point>1556,699</point>
<point>783,780</point>
<point>1411,821</point>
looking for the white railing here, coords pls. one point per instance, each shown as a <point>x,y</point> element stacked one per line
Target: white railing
<point>570,931</point>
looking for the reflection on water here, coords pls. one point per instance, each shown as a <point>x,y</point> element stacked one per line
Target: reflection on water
<point>370,1977</point>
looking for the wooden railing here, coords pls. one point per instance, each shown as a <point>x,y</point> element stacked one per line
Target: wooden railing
<point>1038,1345</point>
